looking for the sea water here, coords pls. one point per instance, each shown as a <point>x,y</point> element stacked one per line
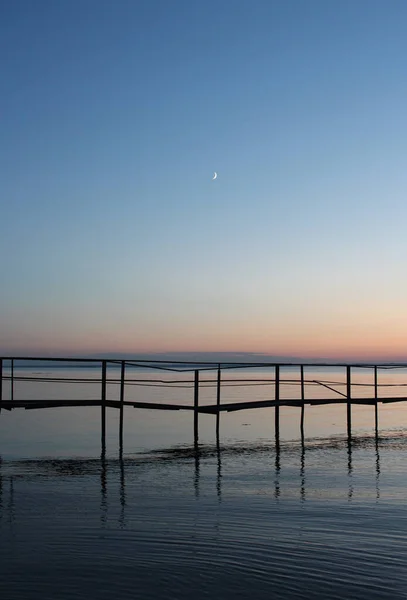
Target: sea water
<point>236,518</point>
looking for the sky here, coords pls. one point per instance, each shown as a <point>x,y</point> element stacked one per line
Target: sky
<point>114,117</point>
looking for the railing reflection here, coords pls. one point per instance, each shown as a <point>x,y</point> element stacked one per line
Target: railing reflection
<point>377,469</point>
<point>103,489</point>
<point>122,521</point>
<point>220,454</point>
<point>299,463</point>
<point>218,471</point>
<point>302,473</point>
<point>197,472</point>
<point>349,453</point>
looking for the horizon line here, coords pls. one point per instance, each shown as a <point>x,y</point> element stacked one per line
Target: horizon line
<point>168,358</point>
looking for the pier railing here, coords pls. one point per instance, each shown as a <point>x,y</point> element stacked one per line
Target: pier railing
<point>281,384</point>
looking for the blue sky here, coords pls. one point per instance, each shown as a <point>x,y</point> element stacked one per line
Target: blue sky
<point>115,116</point>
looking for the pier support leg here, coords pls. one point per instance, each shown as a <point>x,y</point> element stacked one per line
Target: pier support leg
<point>196,447</point>
<point>302,405</point>
<point>121,415</point>
<point>12,381</point>
<point>1,382</point>
<point>349,401</point>
<point>277,408</point>
<point>196,405</point>
<point>377,469</point>
<point>302,473</point>
<point>103,406</point>
<point>218,405</point>
<point>376,416</point>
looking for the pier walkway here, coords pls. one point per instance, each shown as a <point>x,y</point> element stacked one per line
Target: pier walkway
<point>280,380</point>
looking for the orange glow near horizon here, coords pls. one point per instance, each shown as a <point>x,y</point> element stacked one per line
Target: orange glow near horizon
<point>321,335</point>
<point>365,345</point>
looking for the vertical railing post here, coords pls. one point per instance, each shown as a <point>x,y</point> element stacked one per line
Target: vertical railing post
<point>376,416</point>
<point>1,382</point>
<point>122,380</point>
<point>218,383</point>
<point>196,404</point>
<point>12,380</point>
<point>277,406</point>
<point>103,405</point>
<point>349,401</point>
<point>302,405</point>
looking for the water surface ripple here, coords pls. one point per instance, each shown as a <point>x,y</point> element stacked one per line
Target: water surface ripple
<point>327,520</point>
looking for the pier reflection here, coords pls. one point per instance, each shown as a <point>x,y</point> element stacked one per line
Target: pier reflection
<point>302,473</point>
<point>11,501</point>
<point>277,472</point>
<point>377,469</point>
<point>284,454</point>
<point>284,471</point>
<point>218,471</point>
<point>7,498</point>
<point>103,489</point>
<point>197,472</point>
<point>349,452</point>
<point>122,521</point>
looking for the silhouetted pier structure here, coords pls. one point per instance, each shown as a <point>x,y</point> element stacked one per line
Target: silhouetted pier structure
<point>12,371</point>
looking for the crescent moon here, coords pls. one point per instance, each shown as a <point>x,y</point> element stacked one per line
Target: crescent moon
<point>214,176</point>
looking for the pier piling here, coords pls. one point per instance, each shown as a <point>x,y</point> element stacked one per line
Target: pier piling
<point>103,405</point>
<point>218,382</point>
<point>348,401</point>
<point>302,405</point>
<point>196,404</point>
<point>277,408</point>
<point>122,381</point>
<point>1,382</point>
<point>376,416</point>
<point>12,380</point>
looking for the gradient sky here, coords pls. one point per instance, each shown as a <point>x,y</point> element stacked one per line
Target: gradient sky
<point>114,116</point>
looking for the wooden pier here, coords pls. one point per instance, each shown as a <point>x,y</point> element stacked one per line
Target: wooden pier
<point>20,369</point>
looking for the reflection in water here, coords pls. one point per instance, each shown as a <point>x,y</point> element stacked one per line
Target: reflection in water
<point>277,474</point>
<point>11,503</point>
<point>265,547</point>
<point>350,492</point>
<point>104,505</point>
<point>103,489</point>
<point>122,493</point>
<point>302,473</point>
<point>295,481</point>
<point>377,469</point>
<point>197,469</point>
<point>218,472</point>
<point>200,453</point>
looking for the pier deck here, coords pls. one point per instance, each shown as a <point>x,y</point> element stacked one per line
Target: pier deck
<point>196,376</point>
<point>208,408</point>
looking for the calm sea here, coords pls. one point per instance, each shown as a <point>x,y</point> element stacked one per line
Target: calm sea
<point>232,520</point>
